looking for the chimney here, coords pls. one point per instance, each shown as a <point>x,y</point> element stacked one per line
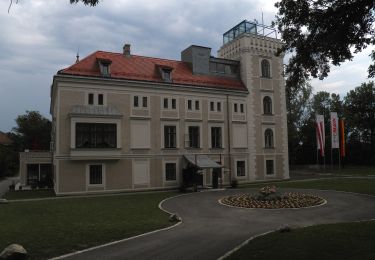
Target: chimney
<point>126,49</point>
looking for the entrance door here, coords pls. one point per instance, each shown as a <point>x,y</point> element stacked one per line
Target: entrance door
<point>32,174</point>
<point>216,174</point>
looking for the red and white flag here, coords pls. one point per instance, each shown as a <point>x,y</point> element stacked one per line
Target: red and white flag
<point>320,133</point>
<point>335,131</point>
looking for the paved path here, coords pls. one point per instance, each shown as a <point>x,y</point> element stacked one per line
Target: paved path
<point>209,229</point>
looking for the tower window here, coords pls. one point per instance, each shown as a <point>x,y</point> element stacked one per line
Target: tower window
<point>266,73</point>
<point>268,138</point>
<point>267,105</point>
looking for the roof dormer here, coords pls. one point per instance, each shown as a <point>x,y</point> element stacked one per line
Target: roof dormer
<point>165,72</point>
<point>104,66</point>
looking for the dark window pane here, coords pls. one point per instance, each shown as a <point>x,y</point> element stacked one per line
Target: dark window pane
<point>165,101</point>
<point>194,138</point>
<point>218,106</point>
<point>170,171</point>
<point>216,137</point>
<point>95,135</point>
<point>241,168</point>
<point>267,105</point>
<point>170,136</point>
<point>190,105</point>
<point>96,174</point>
<point>235,108</point>
<point>269,167</point>
<point>212,106</point>
<point>91,99</point>
<point>174,103</point>
<point>144,101</point>
<point>268,138</point>
<point>197,105</point>
<point>242,108</point>
<point>265,64</point>
<point>100,99</point>
<point>135,101</point>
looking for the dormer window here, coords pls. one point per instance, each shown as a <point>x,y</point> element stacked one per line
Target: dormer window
<point>165,73</point>
<point>104,66</point>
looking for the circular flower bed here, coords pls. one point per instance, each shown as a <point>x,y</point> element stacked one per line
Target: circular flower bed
<point>269,198</point>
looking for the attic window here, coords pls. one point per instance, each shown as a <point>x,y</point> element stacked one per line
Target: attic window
<point>166,73</point>
<point>104,66</point>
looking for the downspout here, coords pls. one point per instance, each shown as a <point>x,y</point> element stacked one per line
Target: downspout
<point>229,147</point>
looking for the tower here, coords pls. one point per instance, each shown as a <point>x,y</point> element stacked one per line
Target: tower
<point>255,45</point>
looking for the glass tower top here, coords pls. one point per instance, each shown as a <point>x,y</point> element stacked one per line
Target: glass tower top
<point>248,27</point>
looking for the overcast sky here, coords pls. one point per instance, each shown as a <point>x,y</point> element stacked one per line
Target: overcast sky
<point>40,37</point>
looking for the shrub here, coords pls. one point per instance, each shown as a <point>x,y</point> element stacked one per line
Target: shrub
<point>234,183</point>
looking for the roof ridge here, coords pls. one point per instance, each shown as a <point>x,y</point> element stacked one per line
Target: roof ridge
<point>141,56</point>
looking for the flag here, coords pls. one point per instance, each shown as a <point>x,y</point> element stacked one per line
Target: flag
<point>320,133</point>
<point>334,131</point>
<point>342,140</point>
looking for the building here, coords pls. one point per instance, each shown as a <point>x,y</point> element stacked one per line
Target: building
<point>124,122</point>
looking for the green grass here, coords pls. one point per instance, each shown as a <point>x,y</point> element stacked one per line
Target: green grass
<point>53,227</point>
<point>364,186</point>
<point>344,241</point>
<point>28,194</point>
<point>354,170</point>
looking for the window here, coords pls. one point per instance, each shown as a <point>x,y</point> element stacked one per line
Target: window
<point>241,168</point>
<point>166,74</point>
<point>235,108</point>
<point>169,136</point>
<point>216,137</point>
<point>196,104</point>
<point>96,174</point>
<point>135,101</point>
<point>242,108</point>
<point>265,64</point>
<point>100,99</point>
<point>105,70</point>
<point>212,106</point>
<point>104,67</point>
<point>268,138</point>
<point>165,103</point>
<point>269,167</point>
<point>194,137</point>
<point>144,101</point>
<point>218,106</point>
<point>91,99</point>
<point>170,172</point>
<point>95,135</point>
<point>190,107</point>
<point>174,102</point>
<point>267,105</point>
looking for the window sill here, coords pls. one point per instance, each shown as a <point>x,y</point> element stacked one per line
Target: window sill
<point>169,149</point>
<point>193,148</point>
<point>267,114</point>
<point>269,148</point>
<point>217,148</point>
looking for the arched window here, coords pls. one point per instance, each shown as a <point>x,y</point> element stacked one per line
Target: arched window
<point>267,105</point>
<point>266,73</point>
<point>268,138</point>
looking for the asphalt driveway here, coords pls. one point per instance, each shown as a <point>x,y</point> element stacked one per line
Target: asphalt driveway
<point>210,229</point>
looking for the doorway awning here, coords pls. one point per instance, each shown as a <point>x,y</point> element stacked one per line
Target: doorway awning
<point>202,161</point>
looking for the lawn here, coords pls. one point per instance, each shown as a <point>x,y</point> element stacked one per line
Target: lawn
<point>28,194</point>
<point>354,170</point>
<point>345,241</point>
<point>53,227</point>
<point>364,186</point>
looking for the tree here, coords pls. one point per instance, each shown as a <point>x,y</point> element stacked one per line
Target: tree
<point>319,33</point>
<point>33,131</point>
<point>86,2</point>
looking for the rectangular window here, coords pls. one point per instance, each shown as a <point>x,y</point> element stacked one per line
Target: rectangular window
<point>144,101</point>
<point>212,106</point>
<point>95,135</point>
<point>269,167</point>
<point>218,106</point>
<point>169,136</point>
<point>216,137</point>
<point>170,172</point>
<point>241,168</point>
<point>242,108</point>
<point>190,107</point>
<point>100,99</point>
<point>174,102</point>
<point>196,104</point>
<point>91,99</point>
<point>165,101</point>
<point>194,138</point>
<point>96,174</point>
<point>235,108</point>
<point>135,101</point>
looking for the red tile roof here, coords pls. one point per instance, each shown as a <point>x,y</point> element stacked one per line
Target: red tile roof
<point>146,69</point>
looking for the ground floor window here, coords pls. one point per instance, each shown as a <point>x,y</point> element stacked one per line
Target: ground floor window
<point>241,168</point>
<point>170,172</point>
<point>96,174</point>
<point>269,167</point>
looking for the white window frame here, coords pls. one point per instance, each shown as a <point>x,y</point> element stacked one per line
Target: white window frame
<point>147,162</point>
<point>96,98</point>
<point>270,95</point>
<point>140,102</point>
<point>264,128</point>
<point>169,102</point>
<point>103,184</point>
<point>193,100</point>
<point>222,134</point>
<point>171,160</point>
<point>260,67</point>
<point>187,125</point>
<point>170,123</point>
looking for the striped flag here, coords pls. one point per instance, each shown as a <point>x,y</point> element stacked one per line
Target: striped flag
<point>334,131</point>
<point>320,133</point>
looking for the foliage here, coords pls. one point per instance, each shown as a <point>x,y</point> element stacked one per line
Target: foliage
<point>323,32</point>
<point>86,2</point>
<point>8,160</point>
<point>33,131</point>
